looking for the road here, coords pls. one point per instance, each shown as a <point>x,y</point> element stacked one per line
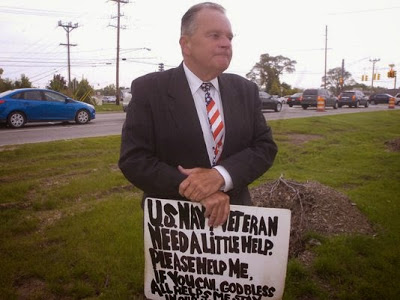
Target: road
<point>104,124</point>
<point>111,124</point>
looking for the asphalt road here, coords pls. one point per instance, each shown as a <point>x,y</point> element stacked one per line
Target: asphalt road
<point>111,124</point>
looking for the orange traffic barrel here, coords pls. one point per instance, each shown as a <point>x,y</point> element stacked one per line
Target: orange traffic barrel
<point>320,104</point>
<point>391,102</point>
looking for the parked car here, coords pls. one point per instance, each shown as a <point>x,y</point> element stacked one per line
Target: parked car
<point>310,97</point>
<point>294,99</point>
<point>353,99</point>
<point>269,102</point>
<point>20,106</point>
<point>397,99</point>
<point>380,98</point>
<point>126,98</point>
<point>109,99</point>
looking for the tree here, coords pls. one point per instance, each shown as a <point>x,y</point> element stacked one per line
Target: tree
<point>23,82</point>
<point>84,91</point>
<point>7,84</point>
<point>267,71</point>
<point>110,90</point>
<point>333,80</point>
<point>58,83</point>
<point>288,90</point>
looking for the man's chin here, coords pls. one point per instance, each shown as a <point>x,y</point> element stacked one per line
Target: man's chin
<point>222,65</point>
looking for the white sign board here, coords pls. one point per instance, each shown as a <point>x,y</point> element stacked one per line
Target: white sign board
<point>246,258</point>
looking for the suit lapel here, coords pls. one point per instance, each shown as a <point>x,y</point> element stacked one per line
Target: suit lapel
<point>183,111</point>
<point>229,99</point>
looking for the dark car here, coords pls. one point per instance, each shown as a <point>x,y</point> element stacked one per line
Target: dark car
<point>353,99</point>
<point>20,106</point>
<point>294,99</point>
<point>269,102</point>
<point>380,98</point>
<point>310,98</point>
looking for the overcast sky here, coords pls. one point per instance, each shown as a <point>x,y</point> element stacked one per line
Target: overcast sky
<point>358,31</point>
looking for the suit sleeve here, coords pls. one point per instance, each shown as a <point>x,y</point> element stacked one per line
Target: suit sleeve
<point>138,161</point>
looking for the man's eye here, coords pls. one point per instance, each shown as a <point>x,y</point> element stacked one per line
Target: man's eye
<point>214,35</point>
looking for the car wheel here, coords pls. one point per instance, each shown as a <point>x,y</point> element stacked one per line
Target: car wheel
<point>357,104</point>
<point>16,119</point>
<point>335,105</point>
<point>82,116</point>
<point>366,104</point>
<point>278,107</point>
<point>304,106</point>
<point>290,105</point>
<point>340,105</point>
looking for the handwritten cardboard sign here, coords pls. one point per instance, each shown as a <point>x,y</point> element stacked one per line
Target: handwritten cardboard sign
<point>246,258</point>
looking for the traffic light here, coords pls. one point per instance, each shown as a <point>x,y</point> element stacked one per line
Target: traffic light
<point>392,73</point>
<point>362,77</point>
<point>379,76</point>
<point>374,76</point>
<point>341,80</point>
<point>366,77</point>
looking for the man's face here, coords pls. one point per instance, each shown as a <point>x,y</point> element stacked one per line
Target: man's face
<point>208,51</point>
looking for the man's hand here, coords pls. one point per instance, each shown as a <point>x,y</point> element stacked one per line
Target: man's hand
<point>217,208</point>
<point>200,183</point>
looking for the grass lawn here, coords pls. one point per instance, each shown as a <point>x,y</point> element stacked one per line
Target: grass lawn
<point>109,107</point>
<point>70,223</point>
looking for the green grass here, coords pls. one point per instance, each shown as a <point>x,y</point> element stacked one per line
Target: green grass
<point>109,107</point>
<point>70,223</point>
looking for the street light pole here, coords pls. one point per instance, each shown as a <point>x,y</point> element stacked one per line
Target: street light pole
<point>373,70</point>
<point>326,52</point>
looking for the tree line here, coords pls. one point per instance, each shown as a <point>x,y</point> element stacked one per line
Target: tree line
<point>266,74</point>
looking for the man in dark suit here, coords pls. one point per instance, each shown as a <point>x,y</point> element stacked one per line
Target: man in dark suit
<point>170,148</point>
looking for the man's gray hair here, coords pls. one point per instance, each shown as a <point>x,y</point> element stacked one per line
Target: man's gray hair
<point>188,24</point>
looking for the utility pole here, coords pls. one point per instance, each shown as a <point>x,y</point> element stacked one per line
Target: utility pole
<point>326,52</point>
<point>68,27</point>
<point>374,61</point>
<point>392,74</point>
<point>117,99</point>
<point>342,77</point>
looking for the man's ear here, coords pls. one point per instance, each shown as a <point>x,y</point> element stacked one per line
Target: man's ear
<point>185,45</point>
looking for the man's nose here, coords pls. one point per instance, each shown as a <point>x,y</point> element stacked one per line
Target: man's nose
<point>226,42</point>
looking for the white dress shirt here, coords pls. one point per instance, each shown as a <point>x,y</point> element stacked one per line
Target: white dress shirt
<point>198,96</point>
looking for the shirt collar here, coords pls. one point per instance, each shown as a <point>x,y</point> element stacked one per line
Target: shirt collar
<point>195,82</point>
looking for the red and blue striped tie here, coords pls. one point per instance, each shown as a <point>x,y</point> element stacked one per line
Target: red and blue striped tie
<point>215,121</point>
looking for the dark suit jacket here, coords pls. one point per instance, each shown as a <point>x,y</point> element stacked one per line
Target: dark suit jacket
<point>162,130</point>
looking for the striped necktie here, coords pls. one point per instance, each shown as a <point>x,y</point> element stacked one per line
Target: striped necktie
<point>215,121</point>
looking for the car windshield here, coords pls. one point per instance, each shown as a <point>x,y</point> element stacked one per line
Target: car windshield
<point>311,92</point>
<point>264,94</point>
<point>297,95</point>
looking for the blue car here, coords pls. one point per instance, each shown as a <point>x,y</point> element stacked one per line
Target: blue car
<point>20,106</point>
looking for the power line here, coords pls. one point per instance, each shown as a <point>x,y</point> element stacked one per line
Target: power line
<point>33,11</point>
<point>364,11</point>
